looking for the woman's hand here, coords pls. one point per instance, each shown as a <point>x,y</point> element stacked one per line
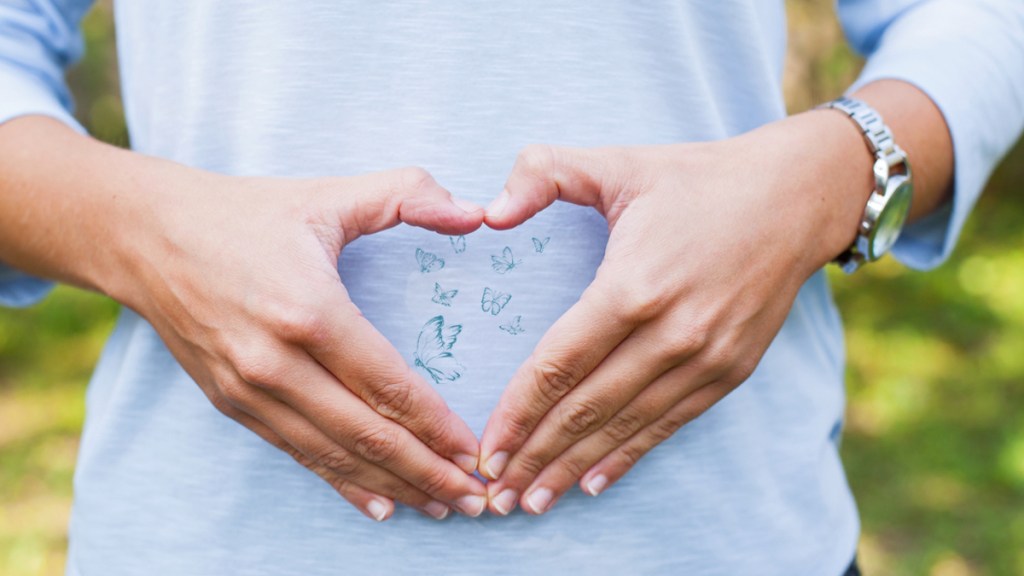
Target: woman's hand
<point>239,277</point>
<point>709,245</point>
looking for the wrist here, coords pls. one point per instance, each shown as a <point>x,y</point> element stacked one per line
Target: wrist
<point>827,175</point>
<point>142,203</point>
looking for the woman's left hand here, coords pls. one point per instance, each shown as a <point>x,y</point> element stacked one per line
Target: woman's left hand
<point>709,245</point>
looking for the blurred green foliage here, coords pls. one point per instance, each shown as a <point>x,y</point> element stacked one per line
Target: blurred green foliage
<point>934,445</point>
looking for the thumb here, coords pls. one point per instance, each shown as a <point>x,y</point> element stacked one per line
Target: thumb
<point>378,201</point>
<point>543,174</point>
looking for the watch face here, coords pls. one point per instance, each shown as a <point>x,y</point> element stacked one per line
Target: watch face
<point>894,214</point>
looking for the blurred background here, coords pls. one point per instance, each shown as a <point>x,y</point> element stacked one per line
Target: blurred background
<point>934,445</point>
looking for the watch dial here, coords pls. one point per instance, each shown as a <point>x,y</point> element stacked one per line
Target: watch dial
<point>890,221</point>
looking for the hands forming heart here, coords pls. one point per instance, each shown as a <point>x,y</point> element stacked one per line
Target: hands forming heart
<point>701,268</point>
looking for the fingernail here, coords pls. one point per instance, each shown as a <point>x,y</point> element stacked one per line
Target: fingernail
<point>597,484</point>
<point>539,500</point>
<point>495,465</point>
<point>378,510</point>
<point>466,462</point>
<point>505,501</point>
<point>466,205</point>
<point>471,505</point>
<point>437,509</point>
<point>498,205</point>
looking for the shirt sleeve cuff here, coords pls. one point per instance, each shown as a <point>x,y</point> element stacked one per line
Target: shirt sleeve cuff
<point>982,127</point>
<point>25,94</point>
<point>18,289</point>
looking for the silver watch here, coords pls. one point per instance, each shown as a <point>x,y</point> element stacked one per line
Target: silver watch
<point>889,205</point>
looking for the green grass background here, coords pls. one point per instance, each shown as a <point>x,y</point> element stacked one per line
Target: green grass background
<point>935,441</point>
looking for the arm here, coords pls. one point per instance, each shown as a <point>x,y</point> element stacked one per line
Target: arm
<point>239,278</point>
<point>589,403</point>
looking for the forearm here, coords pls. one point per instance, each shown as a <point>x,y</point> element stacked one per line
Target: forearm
<point>69,204</point>
<point>832,172</point>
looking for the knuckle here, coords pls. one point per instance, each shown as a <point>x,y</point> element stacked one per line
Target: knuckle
<point>630,454</point>
<point>300,323</point>
<point>666,427</point>
<point>529,464</point>
<point>556,379</point>
<point>234,392</point>
<point>415,178</point>
<point>302,459</point>
<point>517,425</point>
<point>638,303</point>
<point>622,426</point>
<point>685,341</point>
<point>339,484</point>
<point>255,370</point>
<point>339,462</point>
<point>377,445</point>
<point>580,418</point>
<point>573,467</point>
<point>222,404</point>
<point>391,398</point>
<point>536,159</point>
<point>434,482</point>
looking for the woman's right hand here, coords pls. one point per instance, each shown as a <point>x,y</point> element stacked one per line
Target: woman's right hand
<point>239,277</point>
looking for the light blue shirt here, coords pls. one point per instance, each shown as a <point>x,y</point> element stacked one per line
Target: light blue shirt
<point>167,485</point>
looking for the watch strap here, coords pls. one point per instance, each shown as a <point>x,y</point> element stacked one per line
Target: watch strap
<point>889,158</point>
<point>877,135</point>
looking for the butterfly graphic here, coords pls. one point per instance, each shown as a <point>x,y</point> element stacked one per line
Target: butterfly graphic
<point>434,350</point>
<point>443,297</point>
<point>428,262</point>
<point>504,263</point>
<point>539,245</point>
<point>513,327</point>
<point>458,243</point>
<point>493,301</point>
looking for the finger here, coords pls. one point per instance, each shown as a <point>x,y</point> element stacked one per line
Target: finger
<point>357,354</point>
<point>615,465</point>
<point>372,505</point>
<point>346,472</point>
<point>567,353</point>
<point>648,407</point>
<point>622,375</point>
<point>543,174</point>
<point>374,202</point>
<point>343,417</point>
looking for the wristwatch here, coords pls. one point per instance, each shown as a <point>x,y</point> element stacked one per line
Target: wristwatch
<point>889,204</point>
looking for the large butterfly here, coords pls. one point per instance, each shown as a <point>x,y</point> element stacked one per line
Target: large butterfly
<point>442,297</point>
<point>493,301</point>
<point>428,262</point>
<point>504,263</point>
<point>513,327</point>
<point>539,245</point>
<point>458,243</point>
<point>434,350</point>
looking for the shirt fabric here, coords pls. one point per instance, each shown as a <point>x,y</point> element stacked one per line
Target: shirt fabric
<point>165,484</point>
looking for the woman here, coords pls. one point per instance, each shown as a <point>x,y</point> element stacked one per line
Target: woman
<point>267,140</point>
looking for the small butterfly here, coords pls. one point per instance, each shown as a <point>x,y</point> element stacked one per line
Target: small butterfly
<point>442,297</point>
<point>458,243</point>
<point>513,327</point>
<point>428,262</point>
<point>493,301</point>
<point>434,350</point>
<point>504,263</point>
<point>539,245</point>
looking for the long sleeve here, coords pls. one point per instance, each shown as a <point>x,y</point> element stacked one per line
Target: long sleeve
<point>38,41</point>
<point>968,57</point>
